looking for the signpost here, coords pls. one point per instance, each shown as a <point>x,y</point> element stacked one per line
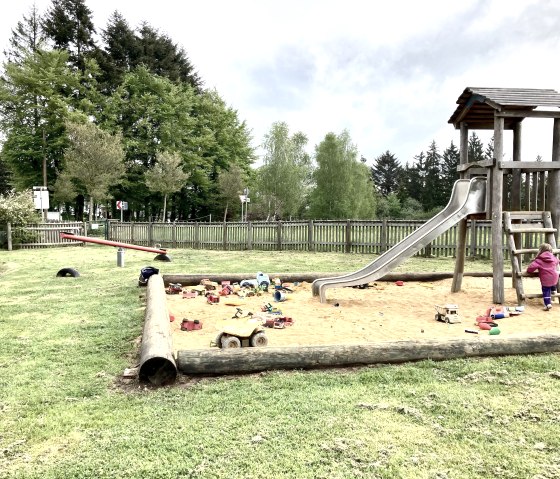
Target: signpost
<point>41,199</point>
<point>245,200</point>
<point>122,206</point>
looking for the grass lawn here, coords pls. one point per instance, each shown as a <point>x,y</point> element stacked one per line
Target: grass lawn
<point>65,412</point>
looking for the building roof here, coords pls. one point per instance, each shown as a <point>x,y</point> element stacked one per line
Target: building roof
<point>476,106</point>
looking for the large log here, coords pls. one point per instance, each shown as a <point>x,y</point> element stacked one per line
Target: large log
<point>245,360</point>
<point>192,279</point>
<point>157,363</point>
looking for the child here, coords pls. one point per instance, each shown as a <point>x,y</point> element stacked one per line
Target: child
<point>547,266</point>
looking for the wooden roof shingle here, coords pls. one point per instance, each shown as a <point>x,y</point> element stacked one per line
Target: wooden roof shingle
<point>476,106</point>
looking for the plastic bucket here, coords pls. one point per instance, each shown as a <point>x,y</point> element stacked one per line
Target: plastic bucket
<point>279,296</point>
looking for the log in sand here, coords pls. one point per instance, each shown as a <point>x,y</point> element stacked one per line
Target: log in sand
<point>245,360</point>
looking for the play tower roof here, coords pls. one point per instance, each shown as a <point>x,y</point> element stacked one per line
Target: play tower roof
<point>477,106</point>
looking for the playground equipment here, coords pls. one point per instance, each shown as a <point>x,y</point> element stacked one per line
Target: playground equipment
<point>161,253</point>
<point>527,209</point>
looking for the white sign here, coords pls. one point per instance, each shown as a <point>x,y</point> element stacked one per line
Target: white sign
<point>122,205</point>
<point>41,197</point>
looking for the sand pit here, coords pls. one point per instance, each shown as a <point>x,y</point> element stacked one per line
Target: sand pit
<point>382,312</point>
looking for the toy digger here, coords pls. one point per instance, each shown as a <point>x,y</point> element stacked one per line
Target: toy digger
<point>447,313</point>
<point>240,332</point>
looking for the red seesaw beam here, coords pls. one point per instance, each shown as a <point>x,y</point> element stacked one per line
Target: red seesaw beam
<point>87,239</point>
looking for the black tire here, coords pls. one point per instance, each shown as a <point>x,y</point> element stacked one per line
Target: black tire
<point>64,272</point>
<point>218,340</point>
<point>258,340</point>
<point>230,342</point>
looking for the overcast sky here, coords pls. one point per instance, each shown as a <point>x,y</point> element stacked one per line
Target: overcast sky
<point>389,72</point>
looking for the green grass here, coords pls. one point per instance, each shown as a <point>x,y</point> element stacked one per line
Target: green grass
<point>65,412</point>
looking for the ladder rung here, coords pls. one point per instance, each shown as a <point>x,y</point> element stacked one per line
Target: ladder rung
<point>532,250</point>
<point>527,229</point>
<point>539,295</point>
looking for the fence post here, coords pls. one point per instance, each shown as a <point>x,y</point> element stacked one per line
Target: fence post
<point>9,236</point>
<point>196,244</point>
<point>310,245</point>
<point>224,236</point>
<point>279,236</point>
<point>174,235</point>
<point>348,245</point>
<point>384,235</point>
<point>150,233</point>
<point>249,235</point>
<point>131,232</point>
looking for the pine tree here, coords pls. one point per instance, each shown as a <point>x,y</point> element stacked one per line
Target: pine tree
<point>431,196</point>
<point>385,173</point>
<point>475,149</point>
<point>28,36</point>
<point>161,56</point>
<point>69,26</point>
<point>120,53</point>
<point>449,173</point>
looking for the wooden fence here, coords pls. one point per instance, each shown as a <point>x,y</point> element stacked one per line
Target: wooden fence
<point>369,237</point>
<point>41,235</point>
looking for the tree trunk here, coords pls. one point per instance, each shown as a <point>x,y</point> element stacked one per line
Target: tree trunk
<point>164,207</point>
<point>90,209</point>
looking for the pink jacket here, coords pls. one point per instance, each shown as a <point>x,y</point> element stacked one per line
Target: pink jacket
<point>547,265</point>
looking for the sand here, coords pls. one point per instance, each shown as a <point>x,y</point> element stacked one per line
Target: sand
<point>382,312</point>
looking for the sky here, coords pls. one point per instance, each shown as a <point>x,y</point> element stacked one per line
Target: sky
<point>388,72</point>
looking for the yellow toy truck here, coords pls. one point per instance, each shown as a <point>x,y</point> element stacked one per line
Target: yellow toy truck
<point>242,332</point>
<point>448,313</point>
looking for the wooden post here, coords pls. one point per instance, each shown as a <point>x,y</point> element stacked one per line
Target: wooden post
<point>310,240</point>
<point>384,235</point>
<point>9,236</point>
<point>224,236</point>
<point>150,233</point>
<point>196,244</point>
<point>279,236</point>
<point>516,187</point>
<point>348,239</point>
<point>462,226</point>
<point>249,235</point>
<point>497,230</point>
<point>157,364</point>
<point>553,203</point>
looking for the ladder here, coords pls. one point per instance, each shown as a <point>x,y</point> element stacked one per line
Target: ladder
<point>535,223</point>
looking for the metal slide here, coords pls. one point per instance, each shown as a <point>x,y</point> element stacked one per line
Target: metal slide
<point>468,197</point>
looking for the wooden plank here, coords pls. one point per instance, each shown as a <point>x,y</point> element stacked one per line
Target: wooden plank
<point>531,166</point>
<point>528,114</point>
<point>531,229</point>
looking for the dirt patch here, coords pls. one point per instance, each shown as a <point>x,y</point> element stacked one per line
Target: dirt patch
<point>382,312</point>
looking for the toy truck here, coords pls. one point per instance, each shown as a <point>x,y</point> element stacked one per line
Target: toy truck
<point>240,332</point>
<point>448,313</point>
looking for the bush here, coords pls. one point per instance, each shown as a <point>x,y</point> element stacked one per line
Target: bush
<point>18,208</point>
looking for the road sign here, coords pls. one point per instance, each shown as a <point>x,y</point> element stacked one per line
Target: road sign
<point>122,205</point>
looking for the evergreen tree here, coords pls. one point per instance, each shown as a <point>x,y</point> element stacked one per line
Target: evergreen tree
<point>385,173</point>
<point>475,149</point>
<point>449,173</point>
<point>68,24</point>
<point>120,53</point>
<point>489,151</point>
<point>34,105</point>
<point>161,56</point>
<point>27,37</point>
<point>431,196</point>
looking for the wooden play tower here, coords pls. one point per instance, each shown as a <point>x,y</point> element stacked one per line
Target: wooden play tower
<point>522,197</point>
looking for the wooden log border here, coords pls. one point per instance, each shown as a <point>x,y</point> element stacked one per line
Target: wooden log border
<point>157,363</point>
<point>249,360</point>
<point>193,279</point>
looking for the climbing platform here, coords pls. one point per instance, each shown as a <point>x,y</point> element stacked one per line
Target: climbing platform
<point>525,231</point>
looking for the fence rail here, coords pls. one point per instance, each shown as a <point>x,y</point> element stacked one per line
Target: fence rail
<point>368,237</point>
